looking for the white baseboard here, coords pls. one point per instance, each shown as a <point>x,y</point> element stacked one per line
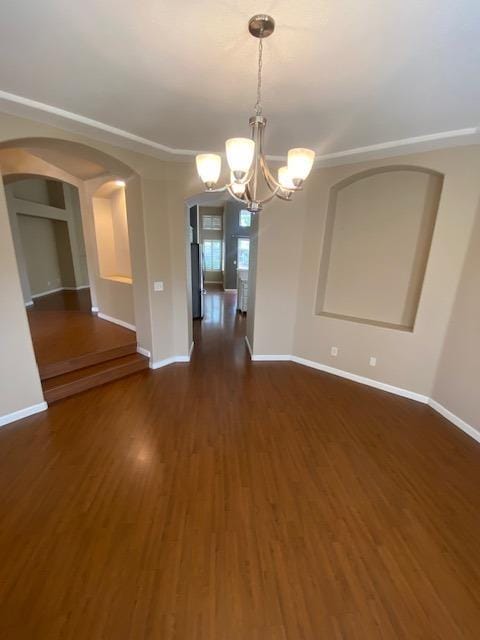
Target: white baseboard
<point>249,347</point>
<point>458,422</point>
<point>271,358</point>
<point>94,309</point>
<point>143,352</point>
<point>399,391</point>
<point>163,363</point>
<point>23,413</point>
<point>29,304</point>
<point>191,349</point>
<point>46,293</point>
<point>83,286</point>
<point>126,325</point>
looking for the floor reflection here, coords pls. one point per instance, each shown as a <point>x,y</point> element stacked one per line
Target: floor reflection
<point>213,307</point>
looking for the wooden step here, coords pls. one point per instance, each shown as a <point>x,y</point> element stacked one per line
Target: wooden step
<point>54,369</point>
<point>79,380</point>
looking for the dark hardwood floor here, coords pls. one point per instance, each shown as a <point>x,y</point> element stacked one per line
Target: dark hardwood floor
<point>230,500</point>
<point>64,329</point>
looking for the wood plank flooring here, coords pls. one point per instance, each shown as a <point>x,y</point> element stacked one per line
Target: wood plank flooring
<point>230,500</point>
<point>64,329</point>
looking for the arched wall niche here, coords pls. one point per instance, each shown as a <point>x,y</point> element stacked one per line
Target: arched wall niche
<point>111,232</point>
<point>377,239</point>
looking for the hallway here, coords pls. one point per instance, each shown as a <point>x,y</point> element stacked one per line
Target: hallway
<point>231,500</point>
<point>220,337</point>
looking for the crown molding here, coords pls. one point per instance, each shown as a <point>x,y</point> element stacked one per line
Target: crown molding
<point>76,123</point>
<point>440,140</point>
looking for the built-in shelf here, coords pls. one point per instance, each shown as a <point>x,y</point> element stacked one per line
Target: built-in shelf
<point>124,279</point>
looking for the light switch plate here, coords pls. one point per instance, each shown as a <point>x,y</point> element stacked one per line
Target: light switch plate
<point>158,285</point>
<point>373,361</point>
<point>334,351</point>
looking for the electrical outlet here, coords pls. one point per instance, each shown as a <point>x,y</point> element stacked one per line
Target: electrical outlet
<point>158,286</point>
<point>373,361</point>
<point>334,352</point>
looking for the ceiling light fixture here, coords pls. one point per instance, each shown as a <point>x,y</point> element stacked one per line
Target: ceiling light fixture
<point>245,156</point>
<point>120,183</point>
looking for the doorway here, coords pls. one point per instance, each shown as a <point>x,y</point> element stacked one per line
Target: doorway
<point>74,348</point>
<point>221,259</point>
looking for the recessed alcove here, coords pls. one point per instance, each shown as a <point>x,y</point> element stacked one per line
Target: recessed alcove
<point>111,231</point>
<point>376,244</point>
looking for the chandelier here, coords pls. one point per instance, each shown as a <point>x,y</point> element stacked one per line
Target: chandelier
<point>245,156</point>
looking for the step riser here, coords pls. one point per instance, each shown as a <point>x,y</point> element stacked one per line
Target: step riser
<point>87,360</point>
<point>96,380</point>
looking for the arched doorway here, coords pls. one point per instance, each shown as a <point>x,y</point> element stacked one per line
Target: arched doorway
<point>85,348</point>
<point>221,269</point>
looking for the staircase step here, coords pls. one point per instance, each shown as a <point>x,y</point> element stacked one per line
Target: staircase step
<point>68,384</point>
<point>85,360</point>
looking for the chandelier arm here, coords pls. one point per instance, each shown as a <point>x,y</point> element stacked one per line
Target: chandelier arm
<point>234,195</point>
<point>218,190</point>
<point>287,198</point>
<point>270,177</point>
<point>270,197</point>
<point>248,193</point>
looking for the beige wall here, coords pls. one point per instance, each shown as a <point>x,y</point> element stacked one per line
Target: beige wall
<point>39,244</point>
<point>376,246</point>
<point>33,190</point>
<point>56,206</point>
<point>279,248</point>
<point>107,259</point>
<point>19,381</point>
<point>120,233</point>
<point>457,383</point>
<point>404,359</point>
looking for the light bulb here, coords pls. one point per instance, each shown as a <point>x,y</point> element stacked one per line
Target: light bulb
<point>208,167</point>
<point>240,155</point>
<point>285,179</point>
<point>300,162</point>
<point>120,183</point>
<point>238,188</point>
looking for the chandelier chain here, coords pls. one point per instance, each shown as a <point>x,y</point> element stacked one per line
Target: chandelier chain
<point>258,104</point>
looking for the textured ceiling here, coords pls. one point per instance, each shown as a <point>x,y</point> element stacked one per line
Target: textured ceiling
<point>337,75</point>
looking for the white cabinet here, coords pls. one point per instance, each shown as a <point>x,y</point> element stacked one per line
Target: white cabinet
<point>242,290</point>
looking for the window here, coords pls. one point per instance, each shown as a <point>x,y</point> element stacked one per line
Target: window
<point>212,255</point>
<point>243,253</point>
<point>212,223</point>
<point>245,218</point>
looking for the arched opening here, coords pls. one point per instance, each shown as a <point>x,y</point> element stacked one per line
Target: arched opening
<point>220,265</point>
<point>73,224</point>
